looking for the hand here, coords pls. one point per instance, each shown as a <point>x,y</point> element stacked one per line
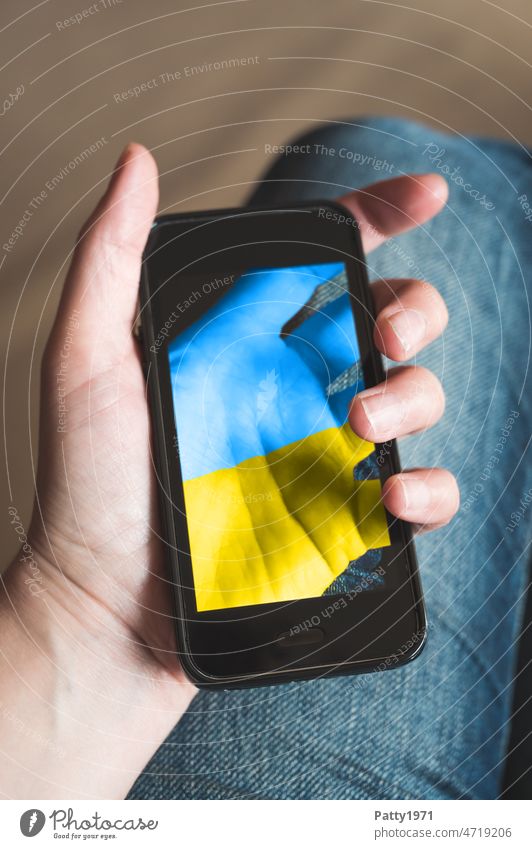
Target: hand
<point>96,649</point>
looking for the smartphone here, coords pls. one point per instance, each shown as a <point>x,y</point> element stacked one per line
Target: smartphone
<point>257,331</point>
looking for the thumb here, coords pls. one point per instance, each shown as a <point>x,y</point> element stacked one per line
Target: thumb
<point>99,300</point>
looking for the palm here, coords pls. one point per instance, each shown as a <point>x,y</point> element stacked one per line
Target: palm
<point>104,507</point>
<point>96,485</point>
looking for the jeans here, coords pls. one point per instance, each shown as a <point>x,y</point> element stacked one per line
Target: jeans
<point>438,728</point>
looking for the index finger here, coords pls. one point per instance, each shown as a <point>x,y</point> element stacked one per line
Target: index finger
<point>394,206</point>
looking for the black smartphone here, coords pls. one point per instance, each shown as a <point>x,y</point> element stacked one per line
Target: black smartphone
<point>257,329</point>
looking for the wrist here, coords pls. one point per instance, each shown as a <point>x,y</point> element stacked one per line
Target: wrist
<point>84,706</point>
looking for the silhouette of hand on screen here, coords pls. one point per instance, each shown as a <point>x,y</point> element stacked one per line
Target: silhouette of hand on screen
<point>261,402</point>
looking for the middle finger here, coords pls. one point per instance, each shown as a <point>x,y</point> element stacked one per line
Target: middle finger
<point>411,399</point>
<point>409,315</point>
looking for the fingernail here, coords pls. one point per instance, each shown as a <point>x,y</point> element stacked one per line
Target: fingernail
<point>416,493</point>
<point>409,327</point>
<point>384,410</point>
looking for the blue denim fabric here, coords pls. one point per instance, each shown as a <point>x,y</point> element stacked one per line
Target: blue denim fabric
<point>438,727</point>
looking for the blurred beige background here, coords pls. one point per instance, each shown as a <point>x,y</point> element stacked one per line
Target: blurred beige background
<point>460,66</point>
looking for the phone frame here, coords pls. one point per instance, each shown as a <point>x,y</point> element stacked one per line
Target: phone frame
<point>297,659</point>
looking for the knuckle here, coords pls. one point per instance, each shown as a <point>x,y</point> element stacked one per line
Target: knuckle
<point>429,298</point>
<point>436,307</point>
<point>431,294</point>
<point>449,494</point>
<point>426,376</point>
<point>455,494</point>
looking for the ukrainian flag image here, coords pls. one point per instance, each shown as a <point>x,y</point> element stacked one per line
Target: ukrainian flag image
<point>261,385</point>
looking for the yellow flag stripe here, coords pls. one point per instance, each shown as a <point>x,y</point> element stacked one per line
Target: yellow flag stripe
<point>285,525</point>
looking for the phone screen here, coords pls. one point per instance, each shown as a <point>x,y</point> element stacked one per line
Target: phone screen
<point>283,500</point>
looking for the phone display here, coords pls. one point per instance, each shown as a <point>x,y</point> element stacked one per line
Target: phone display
<point>281,497</point>
<point>257,332</point>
